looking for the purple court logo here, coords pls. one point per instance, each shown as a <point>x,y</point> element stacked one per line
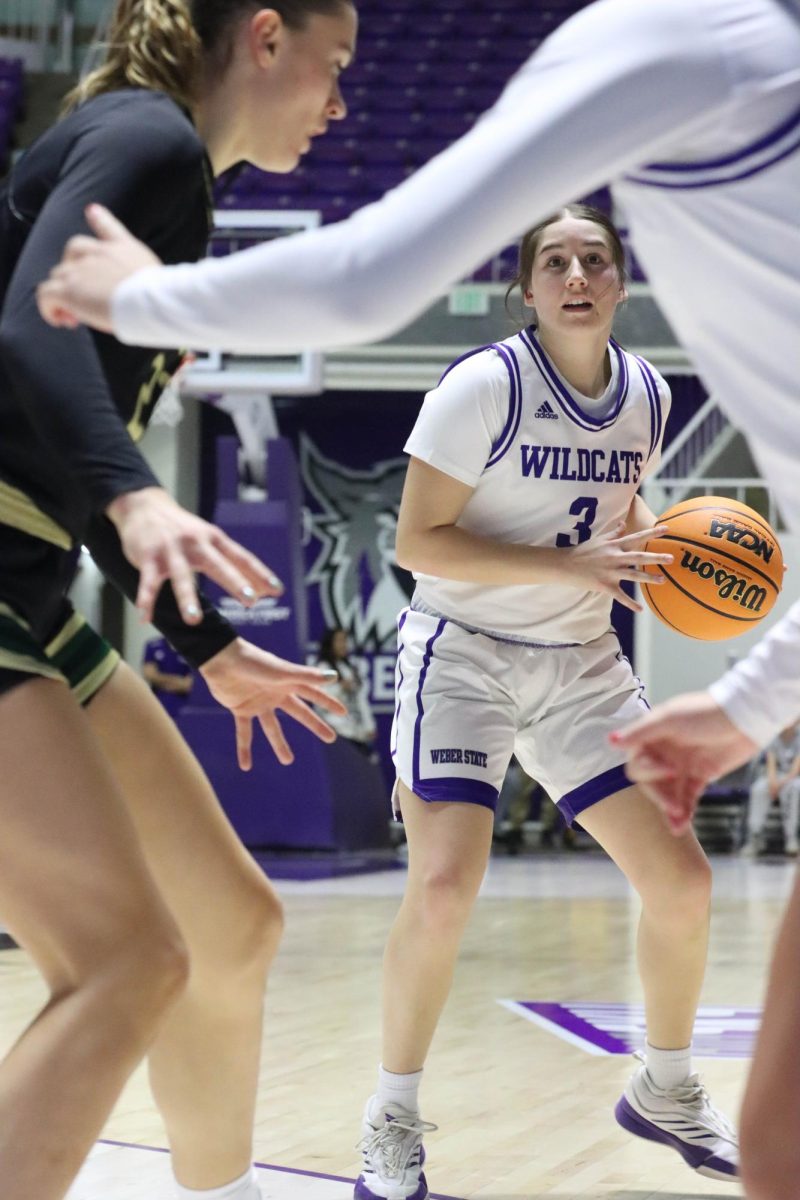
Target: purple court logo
<point>720,1031</point>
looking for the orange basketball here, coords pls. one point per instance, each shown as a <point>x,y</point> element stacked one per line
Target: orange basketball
<point>727,569</point>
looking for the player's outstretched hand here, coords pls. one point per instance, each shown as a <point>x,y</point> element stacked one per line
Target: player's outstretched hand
<point>165,542</point>
<point>255,685</point>
<point>80,288</point>
<point>678,748</point>
<point>602,563</point>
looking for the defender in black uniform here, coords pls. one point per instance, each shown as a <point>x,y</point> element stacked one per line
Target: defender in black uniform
<point>111,841</point>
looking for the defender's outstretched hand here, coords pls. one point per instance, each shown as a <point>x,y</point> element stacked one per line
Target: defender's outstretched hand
<point>79,290</point>
<point>678,748</point>
<point>255,685</point>
<point>166,542</point>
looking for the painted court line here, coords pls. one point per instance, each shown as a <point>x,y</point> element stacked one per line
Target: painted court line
<point>127,1171</point>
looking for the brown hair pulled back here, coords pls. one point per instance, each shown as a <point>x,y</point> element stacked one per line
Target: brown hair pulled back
<point>164,44</point>
<point>529,246</point>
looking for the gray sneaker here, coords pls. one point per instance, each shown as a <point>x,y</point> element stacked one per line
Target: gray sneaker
<point>393,1154</point>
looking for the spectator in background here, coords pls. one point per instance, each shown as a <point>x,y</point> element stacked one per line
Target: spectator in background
<point>777,777</point>
<point>351,689</point>
<point>170,676</point>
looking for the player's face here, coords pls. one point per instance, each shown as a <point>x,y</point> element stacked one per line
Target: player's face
<point>574,282</point>
<point>300,93</point>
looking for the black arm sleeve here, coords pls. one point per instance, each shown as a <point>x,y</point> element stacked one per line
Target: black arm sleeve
<point>197,643</point>
<point>135,167</point>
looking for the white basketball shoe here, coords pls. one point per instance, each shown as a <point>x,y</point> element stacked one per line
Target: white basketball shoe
<point>684,1118</point>
<point>393,1154</point>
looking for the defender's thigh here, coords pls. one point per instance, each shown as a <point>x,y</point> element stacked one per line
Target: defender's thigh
<point>191,847</point>
<point>73,880</point>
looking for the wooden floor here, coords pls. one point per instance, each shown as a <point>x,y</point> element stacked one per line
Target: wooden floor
<point>522,1112</point>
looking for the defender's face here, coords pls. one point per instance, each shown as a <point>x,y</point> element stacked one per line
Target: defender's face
<point>574,281</point>
<point>300,91</point>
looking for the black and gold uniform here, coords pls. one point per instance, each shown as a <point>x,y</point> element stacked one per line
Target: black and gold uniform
<point>73,404</point>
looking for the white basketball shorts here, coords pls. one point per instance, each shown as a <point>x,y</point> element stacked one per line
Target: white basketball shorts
<point>467,702</point>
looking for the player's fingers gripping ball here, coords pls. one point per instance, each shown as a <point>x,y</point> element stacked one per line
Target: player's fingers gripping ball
<point>726,573</point>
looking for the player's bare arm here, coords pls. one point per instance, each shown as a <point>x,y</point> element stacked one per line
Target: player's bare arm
<point>430,541</point>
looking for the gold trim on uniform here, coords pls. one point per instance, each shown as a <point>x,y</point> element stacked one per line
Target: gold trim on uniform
<point>20,512</point>
<point>75,623</point>
<point>148,395</point>
<point>87,687</point>
<point>28,665</point>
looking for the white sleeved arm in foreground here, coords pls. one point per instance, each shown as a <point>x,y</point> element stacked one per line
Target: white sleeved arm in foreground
<point>614,86</point>
<point>761,694</point>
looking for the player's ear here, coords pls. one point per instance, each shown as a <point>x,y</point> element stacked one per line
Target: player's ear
<point>527,296</point>
<point>266,29</point>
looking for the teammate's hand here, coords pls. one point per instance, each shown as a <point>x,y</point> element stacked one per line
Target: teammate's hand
<point>80,288</point>
<point>678,748</point>
<point>254,685</point>
<point>166,542</point>
<point>602,563</point>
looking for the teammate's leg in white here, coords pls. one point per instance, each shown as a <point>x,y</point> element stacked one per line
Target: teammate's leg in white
<point>673,880</point>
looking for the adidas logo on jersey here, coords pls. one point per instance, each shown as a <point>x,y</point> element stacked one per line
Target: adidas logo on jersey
<point>546,411</point>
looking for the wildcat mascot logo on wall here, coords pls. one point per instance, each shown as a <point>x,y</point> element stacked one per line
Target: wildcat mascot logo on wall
<point>360,587</point>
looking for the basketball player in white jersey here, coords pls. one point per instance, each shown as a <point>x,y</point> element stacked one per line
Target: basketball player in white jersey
<point>709,89</point>
<point>520,517</point>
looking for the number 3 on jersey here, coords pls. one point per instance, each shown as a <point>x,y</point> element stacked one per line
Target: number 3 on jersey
<point>585,508</point>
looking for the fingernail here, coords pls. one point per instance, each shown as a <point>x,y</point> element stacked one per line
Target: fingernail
<point>274,581</point>
<point>248,592</point>
<point>192,610</point>
<point>330,674</point>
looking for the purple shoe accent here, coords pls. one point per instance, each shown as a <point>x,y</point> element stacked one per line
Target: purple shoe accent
<point>362,1192</point>
<point>695,1156</point>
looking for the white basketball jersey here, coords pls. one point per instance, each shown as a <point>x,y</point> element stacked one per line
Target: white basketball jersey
<point>549,466</point>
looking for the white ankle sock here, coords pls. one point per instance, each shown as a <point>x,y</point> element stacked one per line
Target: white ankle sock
<point>244,1188</point>
<point>398,1089</point>
<point>668,1068</point>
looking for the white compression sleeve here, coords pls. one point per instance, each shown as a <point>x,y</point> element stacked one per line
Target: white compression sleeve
<point>615,85</point>
<point>761,694</point>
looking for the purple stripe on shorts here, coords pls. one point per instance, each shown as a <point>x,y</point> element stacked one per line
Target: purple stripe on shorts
<point>418,723</point>
<point>580,798</point>
<point>455,788</point>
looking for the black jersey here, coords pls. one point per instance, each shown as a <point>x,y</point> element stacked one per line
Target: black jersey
<point>73,404</point>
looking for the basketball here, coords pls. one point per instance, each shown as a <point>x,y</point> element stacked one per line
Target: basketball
<point>727,569</point>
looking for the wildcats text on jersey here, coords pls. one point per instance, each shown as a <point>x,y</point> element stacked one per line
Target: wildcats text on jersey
<point>581,465</point>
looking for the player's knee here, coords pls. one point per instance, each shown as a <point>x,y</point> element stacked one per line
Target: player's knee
<point>247,940</point>
<point>447,893</point>
<point>140,978</point>
<point>681,897</point>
